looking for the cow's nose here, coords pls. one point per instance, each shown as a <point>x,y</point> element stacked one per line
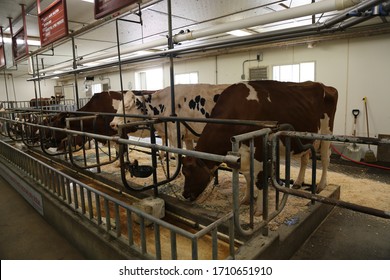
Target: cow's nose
<point>113,125</point>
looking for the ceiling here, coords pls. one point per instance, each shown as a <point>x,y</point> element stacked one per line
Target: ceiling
<point>186,15</point>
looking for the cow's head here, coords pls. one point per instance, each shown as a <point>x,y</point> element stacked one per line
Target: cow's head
<point>197,177</point>
<point>54,137</point>
<point>130,103</point>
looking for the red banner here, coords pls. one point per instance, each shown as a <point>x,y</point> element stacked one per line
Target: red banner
<point>2,50</point>
<point>106,7</point>
<point>19,44</point>
<point>53,22</point>
<point>2,56</point>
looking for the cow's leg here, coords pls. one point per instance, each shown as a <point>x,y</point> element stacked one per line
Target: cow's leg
<point>302,170</point>
<point>325,159</point>
<point>325,153</point>
<point>247,196</point>
<point>259,204</point>
<point>245,170</point>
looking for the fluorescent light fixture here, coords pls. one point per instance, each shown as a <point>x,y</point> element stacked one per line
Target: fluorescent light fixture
<point>239,33</point>
<point>89,1</point>
<point>21,41</point>
<point>33,42</point>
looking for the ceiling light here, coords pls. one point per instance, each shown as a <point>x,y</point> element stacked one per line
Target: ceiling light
<point>33,42</point>
<point>239,33</point>
<point>89,1</point>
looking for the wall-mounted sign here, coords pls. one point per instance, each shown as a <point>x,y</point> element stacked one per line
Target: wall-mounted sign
<point>19,44</point>
<point>2,50</point>
<point>2,56</point>
<point>53,22</point>
<point>106,7</point>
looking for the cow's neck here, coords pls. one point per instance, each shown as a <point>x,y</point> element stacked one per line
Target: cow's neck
<point>214,140</point>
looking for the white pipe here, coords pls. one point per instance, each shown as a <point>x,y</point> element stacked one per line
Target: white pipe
<point>300,11</point>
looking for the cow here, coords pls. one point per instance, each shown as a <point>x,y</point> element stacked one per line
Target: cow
<point>45,101</point>
<point>103,102</point>
<point>191,100</point>
<point>308,107</point>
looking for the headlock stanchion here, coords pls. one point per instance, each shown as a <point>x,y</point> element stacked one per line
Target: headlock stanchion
<point>73,141</point>
<point>316,197</point>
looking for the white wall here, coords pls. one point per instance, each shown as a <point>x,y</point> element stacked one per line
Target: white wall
<point>23,90</point>
<point>355,67</point>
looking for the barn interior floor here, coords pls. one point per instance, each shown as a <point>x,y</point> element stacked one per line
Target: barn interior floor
<point>26,235</point>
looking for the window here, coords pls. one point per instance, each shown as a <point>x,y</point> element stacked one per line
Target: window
<point>187,78</point>
<point>96,88</point>
<point>151,79</point>
<point>299,72</point>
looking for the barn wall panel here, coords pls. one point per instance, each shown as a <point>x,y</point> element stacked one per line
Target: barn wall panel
<point>356,67</point>
<point>24,90</point>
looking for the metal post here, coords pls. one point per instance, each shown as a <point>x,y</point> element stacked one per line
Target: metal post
<point>172,74</point>
<point>75,74</point>
<point>120,69</point>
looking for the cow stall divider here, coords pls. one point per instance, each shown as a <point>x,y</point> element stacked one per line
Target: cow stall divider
<point>72,141</point>
<point>313,196</point>
<point>20,130</point>
<point>271,161</point>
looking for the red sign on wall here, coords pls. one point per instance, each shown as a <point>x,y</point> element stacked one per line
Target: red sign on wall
<point>2,56</point>
<point>53,22</point>
<point>2,50</point>
<point>106,7</point>
<point>19,44</point>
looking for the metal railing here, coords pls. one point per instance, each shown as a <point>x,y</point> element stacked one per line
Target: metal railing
<point>270,167</point>
<point>383,213</point>
<point>116,217</point>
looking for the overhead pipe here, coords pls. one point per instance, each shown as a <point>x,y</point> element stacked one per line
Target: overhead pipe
<point>90,27</point>
<point>305,10</point>
<point>362,7</point>
<point>273,36</point>
<point>300,11</point>
<point>279,35</point>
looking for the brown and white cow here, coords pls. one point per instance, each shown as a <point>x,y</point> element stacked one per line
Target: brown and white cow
<point>308,107</point>
<point>45,101</point>
<point>103,102</point>
<point>192,101</point>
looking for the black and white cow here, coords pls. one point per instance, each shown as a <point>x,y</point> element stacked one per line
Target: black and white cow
<point>192,101</point>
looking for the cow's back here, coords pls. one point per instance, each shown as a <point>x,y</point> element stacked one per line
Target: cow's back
<point>191,101</point>
<point>302,105</point>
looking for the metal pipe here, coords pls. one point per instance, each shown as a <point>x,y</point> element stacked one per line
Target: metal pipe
<point>300,11</point>
<point>316,197</point>
<point>236,141</point>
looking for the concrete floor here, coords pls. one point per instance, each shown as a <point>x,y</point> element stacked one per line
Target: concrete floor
<point>344,234</point>
<point>25,235</point>
<point>348,235</point>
